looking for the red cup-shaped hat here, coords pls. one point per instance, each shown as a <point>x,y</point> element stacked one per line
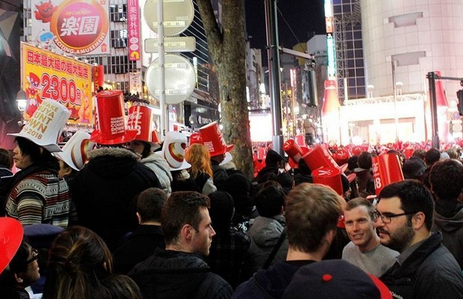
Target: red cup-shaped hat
<point>213,139</point>
<point>329,177</point>
<point>386,170</point>
<point>11,236</point>
<point>319,157</point>
<point>140,119</point>
<point>111,128</point>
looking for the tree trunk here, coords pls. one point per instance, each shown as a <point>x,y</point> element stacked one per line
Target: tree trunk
<point>227,49</point>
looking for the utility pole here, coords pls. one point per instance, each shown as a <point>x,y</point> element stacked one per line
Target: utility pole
<point>273,54</point>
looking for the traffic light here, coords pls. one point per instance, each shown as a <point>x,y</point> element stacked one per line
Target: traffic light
<point>460,101</point>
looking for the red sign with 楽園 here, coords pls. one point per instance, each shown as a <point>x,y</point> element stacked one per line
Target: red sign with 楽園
<point>78,27</point>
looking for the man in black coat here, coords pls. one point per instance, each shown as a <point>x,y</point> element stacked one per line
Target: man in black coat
<point>104,192</point>
<point>180,271</point>
<point>148,236</point>
<point>425,268</point>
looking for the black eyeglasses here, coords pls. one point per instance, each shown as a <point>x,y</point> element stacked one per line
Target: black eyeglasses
<point>35,256</point>
<point>387,217</point>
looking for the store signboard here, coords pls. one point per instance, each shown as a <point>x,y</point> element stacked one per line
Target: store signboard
<point>78,27</point>
<point>47,75</point>
<point>133,23</point>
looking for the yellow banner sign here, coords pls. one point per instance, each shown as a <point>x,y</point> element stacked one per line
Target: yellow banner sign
<point>47,75</point>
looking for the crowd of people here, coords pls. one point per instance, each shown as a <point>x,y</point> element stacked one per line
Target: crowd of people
<point>118,214</point>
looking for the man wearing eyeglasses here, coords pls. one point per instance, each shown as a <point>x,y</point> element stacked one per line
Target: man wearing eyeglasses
<point>424,268</point>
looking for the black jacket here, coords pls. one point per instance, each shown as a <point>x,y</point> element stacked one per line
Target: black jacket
<point>140,245</point>
<point>105,189</point>
<point>172,274</point>
<point>430,271</point>
<point>271,283</point>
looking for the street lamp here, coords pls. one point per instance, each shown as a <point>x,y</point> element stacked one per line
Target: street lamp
<point>21,100</point>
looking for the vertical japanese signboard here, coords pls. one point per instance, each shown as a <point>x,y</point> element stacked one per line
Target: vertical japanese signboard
<point>79,27</point>
<point>133,17</point>
<point>47,75</point>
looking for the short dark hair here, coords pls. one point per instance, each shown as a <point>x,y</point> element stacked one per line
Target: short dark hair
<point>364,160</point>
<point>312,210</point>
<point>269,201</point>
<point>432,156</point>
<point>182,207</point>
<point>414,197</point>
<point>446,179</point>
<point>149,204</point>
<point>6,158</point>
<point>360,201</point>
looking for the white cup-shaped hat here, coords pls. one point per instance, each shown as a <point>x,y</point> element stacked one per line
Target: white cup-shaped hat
<point>45,125</point>
<point>75,150</point>
<point>173,150</point>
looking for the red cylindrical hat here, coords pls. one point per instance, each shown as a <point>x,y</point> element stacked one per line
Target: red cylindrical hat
<point>386,170</point>
<point>341,156</point>
<point>213,139</point>
<point>300,140</point>
<point>408,152</point>
<point>293,151</point>
<point>111,119</point>
<point>329,177</point>
<point>261,153</point>
<point>196,138</point>
<point>319,157</point>
<point>140,119</point>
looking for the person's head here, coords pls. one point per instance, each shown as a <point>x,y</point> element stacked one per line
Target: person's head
<point>77,260</point>
<point>270,201</point>
<point>23,269</point>
<point>360,224</point>
<point>446,179</point>
<point>286,181</point>
<point>6,158</point>
<point>221,211</point>
<point>186,223</point>
<point>364,160</point>
<point>404,214</point>
<point>352,163</point>
<point>273,159</point>
<point>420,153</point>
<point>218,158</point>
<point>414,168</point>
<point>453,153</point>
<point>142,148</point>
<point>149,205</point>
<point>27,153</point>
<point>431,156</point>
<point>200,159</point>
<point>312,213</point>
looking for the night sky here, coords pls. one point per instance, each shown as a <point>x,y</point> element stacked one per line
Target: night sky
<point>304,17</point>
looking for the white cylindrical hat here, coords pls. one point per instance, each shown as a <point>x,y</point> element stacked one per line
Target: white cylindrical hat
<point>45,125</point>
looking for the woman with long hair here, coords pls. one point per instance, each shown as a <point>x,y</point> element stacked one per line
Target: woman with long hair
<point>81,266</point>
<point>201,171</point>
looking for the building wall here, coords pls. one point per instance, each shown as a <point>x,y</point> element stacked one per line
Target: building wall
<point>420,35</point>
